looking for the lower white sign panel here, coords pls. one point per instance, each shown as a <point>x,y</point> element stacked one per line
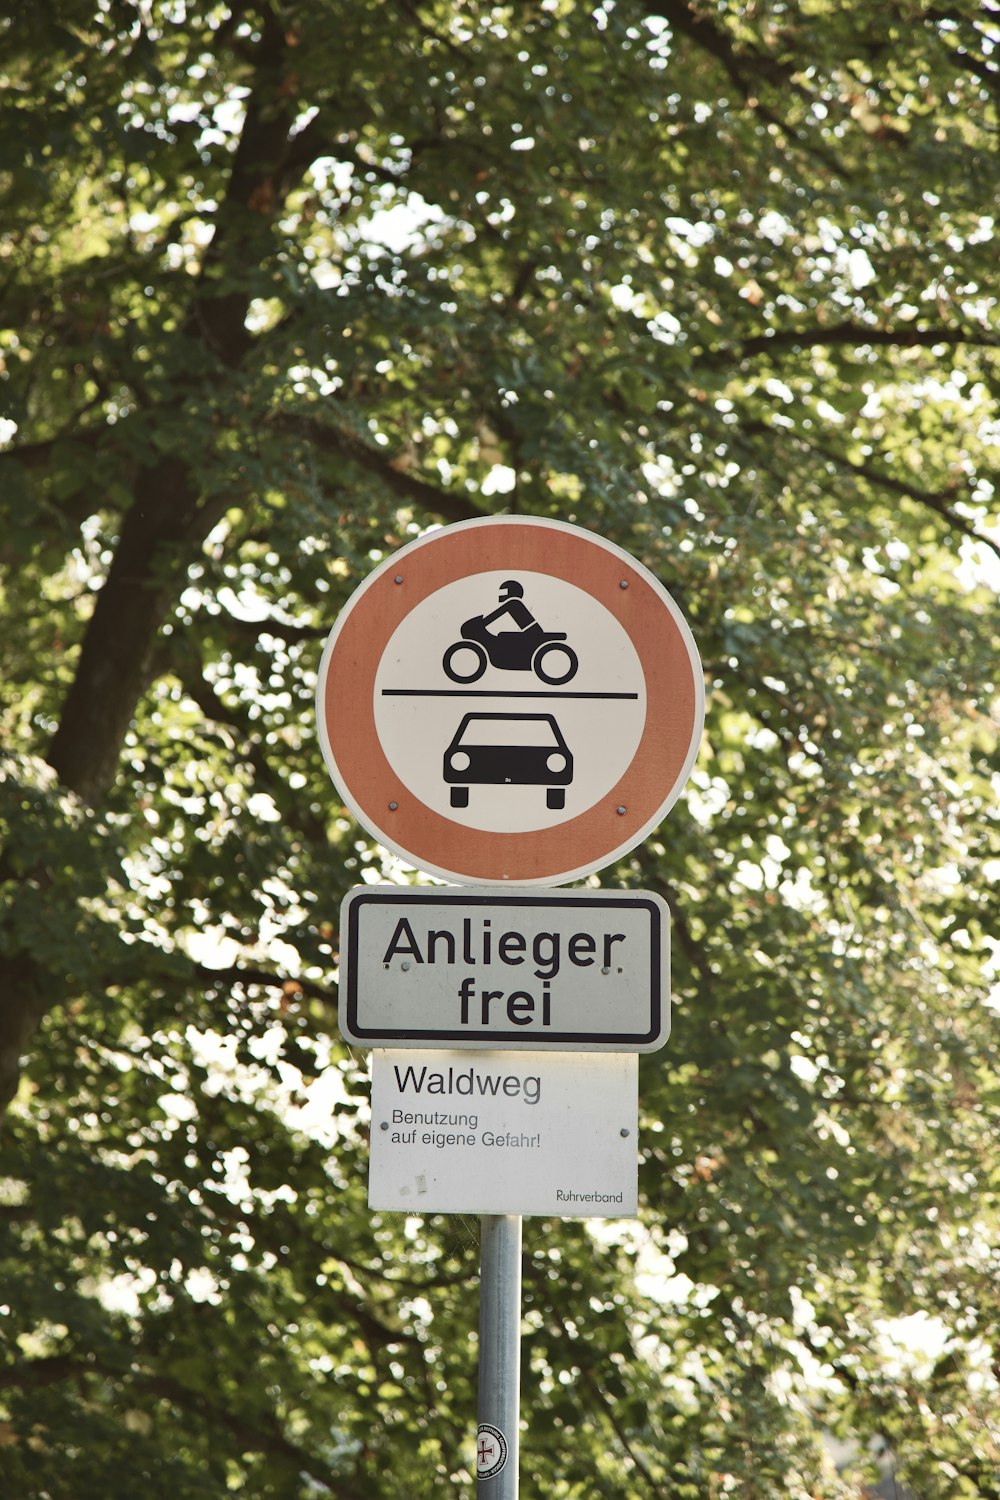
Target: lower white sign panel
<point>552,1133</point>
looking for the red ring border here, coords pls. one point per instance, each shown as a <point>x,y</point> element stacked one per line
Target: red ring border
<point>438,844</point>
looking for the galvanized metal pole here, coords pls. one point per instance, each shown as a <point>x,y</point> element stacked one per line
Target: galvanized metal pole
<point>499,1357</point>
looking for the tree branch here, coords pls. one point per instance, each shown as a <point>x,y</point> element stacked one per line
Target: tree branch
<point>283,630</point>
<point>345,444</point>
<point>243,974</point>
<point>937,501</point>
<point>608,1408</point>
<point>38,455</point>
<point>591,1381</point>
<point>746,68</point>
<point>850,333</point>
<point>170,513</point>
<point>26,999</point>
<point>979,64</point>
<point>260,1435</point>
<point>268,162</point>
<point>16,1213</point>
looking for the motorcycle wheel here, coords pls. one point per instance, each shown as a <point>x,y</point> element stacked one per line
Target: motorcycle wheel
<point>555,677</point>
<point>479,661</point>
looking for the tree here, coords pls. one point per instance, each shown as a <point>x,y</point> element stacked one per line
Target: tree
<point>283,286</point>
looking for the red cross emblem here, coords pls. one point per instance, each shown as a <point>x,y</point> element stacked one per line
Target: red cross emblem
<point>491,1450</point>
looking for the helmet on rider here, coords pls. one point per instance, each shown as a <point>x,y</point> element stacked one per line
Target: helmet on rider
<point>511,590</point>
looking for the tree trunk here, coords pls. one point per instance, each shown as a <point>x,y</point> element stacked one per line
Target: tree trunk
<point>115,667</point>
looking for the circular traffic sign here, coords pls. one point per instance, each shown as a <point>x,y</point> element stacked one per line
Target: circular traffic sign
<point>510,700</point>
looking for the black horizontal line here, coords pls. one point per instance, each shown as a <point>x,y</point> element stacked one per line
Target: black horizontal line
<point>486,1040</point>
<point>486,693</point>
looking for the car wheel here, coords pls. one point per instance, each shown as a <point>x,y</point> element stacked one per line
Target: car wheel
<point>555,797</point>
<point>460,796</point>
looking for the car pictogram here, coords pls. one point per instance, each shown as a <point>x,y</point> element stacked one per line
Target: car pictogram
<point>508,750</point>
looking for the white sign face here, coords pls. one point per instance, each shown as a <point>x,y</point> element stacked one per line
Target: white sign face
<point>510,700</point>
<point>505,1133</point>
<point>481,968</point>
<point>535,753</point>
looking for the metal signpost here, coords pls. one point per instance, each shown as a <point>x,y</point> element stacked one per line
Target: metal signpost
<point>499,1405</point>
<point>507,703</point>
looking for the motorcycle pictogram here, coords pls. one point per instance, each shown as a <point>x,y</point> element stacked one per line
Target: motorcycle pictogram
<point>515,643</point>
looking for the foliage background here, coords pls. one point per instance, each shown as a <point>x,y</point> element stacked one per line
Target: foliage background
<point>282,286</point>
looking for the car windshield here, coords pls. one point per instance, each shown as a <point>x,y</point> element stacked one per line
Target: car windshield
<point>487,729</point>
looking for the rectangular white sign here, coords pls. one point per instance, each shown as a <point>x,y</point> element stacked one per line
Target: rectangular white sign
<point>568,970</point>
<point>505,1133</point>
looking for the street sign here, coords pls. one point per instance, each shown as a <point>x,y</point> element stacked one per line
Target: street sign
<point>504,1133</point>
<point>581,971</point>
<point>510,700</point>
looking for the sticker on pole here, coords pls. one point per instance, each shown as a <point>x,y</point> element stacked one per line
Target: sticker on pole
<point>510,700</point>
<point>491,1451</point>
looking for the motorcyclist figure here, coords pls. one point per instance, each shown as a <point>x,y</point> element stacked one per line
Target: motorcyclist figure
<point>511,606</point>
<point>510,638</point>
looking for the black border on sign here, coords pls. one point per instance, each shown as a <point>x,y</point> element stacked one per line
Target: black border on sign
<point>497,1040</point>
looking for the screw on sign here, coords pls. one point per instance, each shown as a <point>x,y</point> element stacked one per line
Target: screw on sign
<point>510,699</point>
